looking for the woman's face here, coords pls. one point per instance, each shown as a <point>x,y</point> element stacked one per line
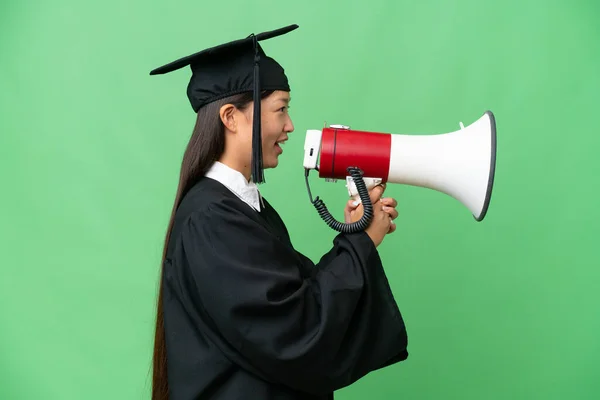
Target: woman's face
<point>276,124</point>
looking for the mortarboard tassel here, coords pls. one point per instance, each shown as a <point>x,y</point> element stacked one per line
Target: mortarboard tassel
<point>257,164</point>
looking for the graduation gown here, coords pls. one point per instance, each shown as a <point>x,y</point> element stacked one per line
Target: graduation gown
<point>249,317</point>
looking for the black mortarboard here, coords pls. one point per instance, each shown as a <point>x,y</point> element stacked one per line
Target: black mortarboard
<point>232,68</point>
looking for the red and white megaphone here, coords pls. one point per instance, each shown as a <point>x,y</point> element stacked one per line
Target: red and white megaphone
<point>460,164</point>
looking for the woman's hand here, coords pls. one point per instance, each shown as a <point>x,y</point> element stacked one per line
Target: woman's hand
<point>389,206</point>
<point>384,210</point>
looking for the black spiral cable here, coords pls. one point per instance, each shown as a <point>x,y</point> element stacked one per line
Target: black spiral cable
<point>363,193</point>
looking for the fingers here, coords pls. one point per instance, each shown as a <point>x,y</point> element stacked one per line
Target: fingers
<point>389,207</point>
<point>376,193</point>
<point>392,228</point>
<point>386,204</point>
<point>390,202</point>
<point>351,206</point>
<point>393,213</point>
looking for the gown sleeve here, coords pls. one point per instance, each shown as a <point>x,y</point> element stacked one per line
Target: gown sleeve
<point>316,332</point>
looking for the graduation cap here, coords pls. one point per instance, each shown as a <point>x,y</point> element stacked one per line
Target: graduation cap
<point>232,68</point>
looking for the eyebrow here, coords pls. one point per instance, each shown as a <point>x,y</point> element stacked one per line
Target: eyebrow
<point>284,99</point>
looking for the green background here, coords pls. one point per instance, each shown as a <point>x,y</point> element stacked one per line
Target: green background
<point>90,146</point>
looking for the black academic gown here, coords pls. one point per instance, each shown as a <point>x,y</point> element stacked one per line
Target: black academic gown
<point>248,317</point>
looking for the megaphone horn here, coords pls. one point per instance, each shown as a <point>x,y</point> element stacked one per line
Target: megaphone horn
<point>460,164</point>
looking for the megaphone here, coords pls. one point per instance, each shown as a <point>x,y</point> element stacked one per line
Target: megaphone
<point>460,164</point>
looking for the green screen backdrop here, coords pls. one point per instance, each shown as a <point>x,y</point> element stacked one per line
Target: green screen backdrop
<point>90,145</point>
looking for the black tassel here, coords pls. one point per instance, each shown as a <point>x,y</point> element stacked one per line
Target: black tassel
<point>257,161</point>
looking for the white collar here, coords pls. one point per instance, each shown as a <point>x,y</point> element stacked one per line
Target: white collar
<point>237,183</point>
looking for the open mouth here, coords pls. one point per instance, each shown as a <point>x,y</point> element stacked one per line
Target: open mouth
<point>279,144</point>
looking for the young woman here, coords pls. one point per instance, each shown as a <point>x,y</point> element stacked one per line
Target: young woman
<point>241,313</point>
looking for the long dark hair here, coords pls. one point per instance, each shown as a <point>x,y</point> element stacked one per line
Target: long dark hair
<point>205,146</point>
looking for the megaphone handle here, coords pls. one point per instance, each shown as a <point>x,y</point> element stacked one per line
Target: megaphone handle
<point>370,183</point>
<point>364,196</point>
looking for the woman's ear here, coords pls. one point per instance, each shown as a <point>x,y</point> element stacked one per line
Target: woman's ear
<point>227,115</point>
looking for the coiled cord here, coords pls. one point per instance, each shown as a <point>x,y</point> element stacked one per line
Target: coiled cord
<point>363,193</point>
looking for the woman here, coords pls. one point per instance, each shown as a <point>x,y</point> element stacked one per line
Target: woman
<point>241,313</point>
